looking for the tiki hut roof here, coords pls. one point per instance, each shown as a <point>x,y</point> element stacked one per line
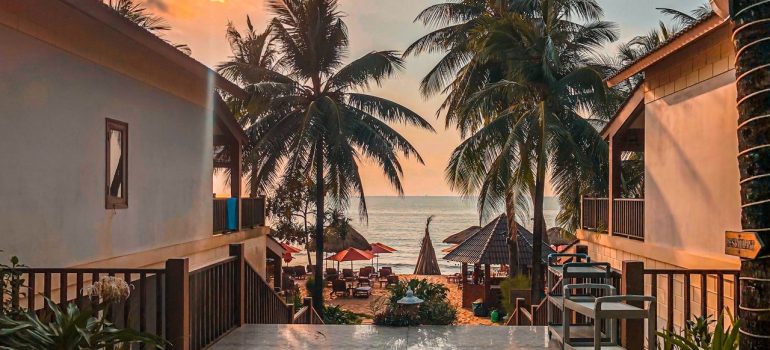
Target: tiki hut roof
<point>427,264</point>
<point>490,246</point>
<point>334,242</point>
<point>560,236</point>
<point>459,237</point>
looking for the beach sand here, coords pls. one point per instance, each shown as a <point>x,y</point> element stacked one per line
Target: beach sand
<point>364,306</point>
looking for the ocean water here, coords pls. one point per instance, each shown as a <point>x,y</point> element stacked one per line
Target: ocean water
<point>399,222</point>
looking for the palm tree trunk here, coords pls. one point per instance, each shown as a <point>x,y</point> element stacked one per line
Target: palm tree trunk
<point>318,284</point>
<point>513,241</point>
<point>752,71</point>
<point>538,230</point>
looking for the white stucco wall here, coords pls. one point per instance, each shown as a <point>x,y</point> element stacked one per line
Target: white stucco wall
<point>691,171</point>
<point>52,123</point>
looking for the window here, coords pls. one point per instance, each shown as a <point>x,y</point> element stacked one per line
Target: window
<point>116,179</point>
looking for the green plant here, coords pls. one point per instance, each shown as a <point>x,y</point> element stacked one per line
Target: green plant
<point>437,313</point>
<point>71,328</point>
<point>11,283</point>
<point>697,336</point>
<point>338,315</point>
<point>510,284</point>
<point>435,309</point>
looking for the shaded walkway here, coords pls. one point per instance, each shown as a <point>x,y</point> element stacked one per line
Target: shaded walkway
<point>375,337</point>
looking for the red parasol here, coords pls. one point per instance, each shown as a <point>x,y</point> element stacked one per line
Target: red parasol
<point>290,249</point>
<point>380,248</point>
<point>351,254</point>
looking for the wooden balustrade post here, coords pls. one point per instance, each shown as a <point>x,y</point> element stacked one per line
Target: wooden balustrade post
<point>520,302</point>
<point>632,331</point>
<point>308,303</point>
<point>177,299</point>
<point>237,249</point>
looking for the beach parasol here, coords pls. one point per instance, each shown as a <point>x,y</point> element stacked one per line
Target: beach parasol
<point>288,251</point>
<point>380,248</point>
<point>351,254</point>
<point>426,261</point>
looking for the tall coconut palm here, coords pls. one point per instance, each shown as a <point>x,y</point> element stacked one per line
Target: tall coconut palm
<point>752,23</point>
<point>308,119</point>
<point>545,48</point>
<point>459,74</point>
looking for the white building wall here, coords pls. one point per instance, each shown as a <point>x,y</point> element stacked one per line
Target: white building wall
<point>692,195</point>
<point>52,166</point>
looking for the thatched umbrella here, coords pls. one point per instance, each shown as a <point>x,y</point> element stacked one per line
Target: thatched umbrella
<point>335,242</point>
<point>459,237</point>
<point>427,264</point>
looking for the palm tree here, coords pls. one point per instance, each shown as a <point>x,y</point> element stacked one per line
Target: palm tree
<point>307,119</point>
<point>752,67</point>
<point>549,79</point>
<point>142,17</point>
<point>686,19</point>
<point>461,73</point>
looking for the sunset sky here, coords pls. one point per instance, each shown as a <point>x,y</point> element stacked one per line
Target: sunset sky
<point>377,25</point>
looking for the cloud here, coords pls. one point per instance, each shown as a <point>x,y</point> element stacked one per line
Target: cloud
<point>159,5</point>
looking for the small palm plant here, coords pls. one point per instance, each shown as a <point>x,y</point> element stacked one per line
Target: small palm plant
<point>71,327</point>
<point>697,335</point>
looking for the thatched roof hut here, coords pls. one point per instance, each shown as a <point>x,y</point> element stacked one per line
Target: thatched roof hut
<point>490,246</point>
<point>335,242</point>
<point>459,237</point>
<point>427,264</point>
<point>559,236</point>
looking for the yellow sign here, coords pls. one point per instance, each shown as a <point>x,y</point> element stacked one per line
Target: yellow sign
<point>747,245</point>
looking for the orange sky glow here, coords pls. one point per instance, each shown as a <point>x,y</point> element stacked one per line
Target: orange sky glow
<point>375,25</point>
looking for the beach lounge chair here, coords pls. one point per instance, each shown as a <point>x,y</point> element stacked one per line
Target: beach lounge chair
<point>347,274</point>
<point>331,275</point>
<point>392,280</point>
<point>339,287</point>
<point>365,272</point>
<point>299,272</point>
<point>383,275</point>
<point>362,292</point>
<point>364,281</point>
<point>288,271</point>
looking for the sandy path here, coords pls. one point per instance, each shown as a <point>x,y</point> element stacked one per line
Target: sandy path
<point>363,306</point>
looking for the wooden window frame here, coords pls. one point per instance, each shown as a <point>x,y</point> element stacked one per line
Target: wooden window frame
<point>111,202</point>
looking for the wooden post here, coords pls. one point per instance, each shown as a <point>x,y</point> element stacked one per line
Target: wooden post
<point>308,302</point>
<point>615,189</point>
<point>487,285</point>
<point>520,302</point>
<point>177,299</point>
<point>465,273</point>
<point>237,249</point>
<point>235,180</point>
<point>632,331</point>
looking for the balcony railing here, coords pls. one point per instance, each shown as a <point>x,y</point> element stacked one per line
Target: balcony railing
<point>226,213</point>
<point>595,215</point>
<point>628,218</point>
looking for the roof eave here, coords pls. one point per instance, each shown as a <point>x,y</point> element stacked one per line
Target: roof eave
<point>103,13</point>
<point>682,39</point>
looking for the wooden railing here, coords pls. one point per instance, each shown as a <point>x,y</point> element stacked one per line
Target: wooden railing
<point>220,215</point>
<point>307,314</point>
<point>595,214</point>
<point>263,304</point>
<point>253,212</point>
<point>628,217</point>
<point>143,310</point>
<point>689,276</point>
<point>215,300</point>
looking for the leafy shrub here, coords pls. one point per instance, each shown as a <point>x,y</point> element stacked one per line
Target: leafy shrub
<point>509,284</point>
<point>697,335</point>
<point>435,309</point>
<point>338,315</point>
<point>437,313</point>
<point>71,329</point>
